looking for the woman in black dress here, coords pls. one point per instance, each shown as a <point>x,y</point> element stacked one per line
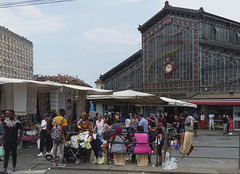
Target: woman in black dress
<point>195,126</point>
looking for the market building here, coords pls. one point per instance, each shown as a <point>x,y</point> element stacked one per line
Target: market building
<point>16,55</point>
<point>190,55</point>
<point>67,99</point>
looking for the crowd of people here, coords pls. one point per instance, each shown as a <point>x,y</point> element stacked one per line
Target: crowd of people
<point>137,125</point>
<point>136,129</point>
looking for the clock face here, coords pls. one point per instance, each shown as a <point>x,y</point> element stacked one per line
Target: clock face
<point>168,67</point>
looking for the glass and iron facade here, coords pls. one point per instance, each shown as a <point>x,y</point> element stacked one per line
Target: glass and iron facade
<point>191,55</point>
<point>16,55</point>
<point>126,75</point>
<point>171,40</point>
<point>220,56</point>
<point>204,50</point>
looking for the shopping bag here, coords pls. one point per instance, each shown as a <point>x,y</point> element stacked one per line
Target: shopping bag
<point>1,152</point>
<point>38,143</point>
<point>74,140</point>
<point>87,143</point>
<point>101,160</point>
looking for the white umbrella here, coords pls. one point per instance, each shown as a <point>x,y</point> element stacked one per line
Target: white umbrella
<point>173,102</point>
<point>127,96</point>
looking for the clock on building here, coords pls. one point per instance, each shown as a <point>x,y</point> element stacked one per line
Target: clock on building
<point>168,67</point>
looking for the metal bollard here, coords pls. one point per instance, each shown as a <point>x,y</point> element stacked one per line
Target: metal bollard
<point>157,152</point>
<point>107,148</point>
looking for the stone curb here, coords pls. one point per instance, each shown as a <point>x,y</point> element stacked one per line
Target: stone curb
<point>155,170</point>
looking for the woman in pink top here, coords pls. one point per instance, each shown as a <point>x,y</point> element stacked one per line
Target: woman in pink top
<point>141,138</point>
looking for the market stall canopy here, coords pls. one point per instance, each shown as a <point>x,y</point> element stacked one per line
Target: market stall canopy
<point>173,102</point>
<point>50,84</point>
<point>90,91</point>
<point>127,97</point>
<point>215,101</point>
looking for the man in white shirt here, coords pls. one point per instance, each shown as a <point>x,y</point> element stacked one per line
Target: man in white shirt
<point>127,122</point>
<point>211,121</point>
<point>44,136</point>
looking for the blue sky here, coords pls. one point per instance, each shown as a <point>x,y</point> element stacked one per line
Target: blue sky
<point>89,37</point>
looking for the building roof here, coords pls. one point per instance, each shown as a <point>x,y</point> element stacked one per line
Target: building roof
<point>168,8</point>
<point>64,79</point>
<point>126,62</point>
<point>98,81</point>
<point>20,38</point>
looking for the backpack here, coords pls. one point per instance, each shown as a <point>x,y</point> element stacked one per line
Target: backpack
<point>57,131</point>
<point>188,121</point>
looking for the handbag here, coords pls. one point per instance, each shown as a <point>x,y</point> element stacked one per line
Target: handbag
<point>1,152</point>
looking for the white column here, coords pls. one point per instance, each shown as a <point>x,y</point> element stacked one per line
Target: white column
<point>20,99</point>
<point>54,101</point>
<point>62,99</point>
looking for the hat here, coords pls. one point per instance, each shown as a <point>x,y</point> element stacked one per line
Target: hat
<point>118,129</point>
<point>84,114</point>
<point>46,115</point>
<point>140,114</point>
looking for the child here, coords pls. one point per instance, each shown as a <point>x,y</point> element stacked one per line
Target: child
<point>195,126</point>
<point>160,142</point>
<point>230,125</point>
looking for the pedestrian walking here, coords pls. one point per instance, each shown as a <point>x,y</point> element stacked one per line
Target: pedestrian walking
<point>58,137</point>
<point>202,120</point>
<point>195,126</point>
<point>44,136</point>
<point>230,125</point>
<point>211,121</point>
<point>11,140</point>
<point>49,127</point>
<point>225,123</point>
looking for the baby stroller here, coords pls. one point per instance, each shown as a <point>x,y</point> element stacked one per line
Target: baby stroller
<point>76,155</point>
<point>74,150</point>
<point>71,154</point>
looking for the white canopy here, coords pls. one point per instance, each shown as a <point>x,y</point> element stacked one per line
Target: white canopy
<point>50,84</point>
<point>174,102</point>
<point>138,98</point>
<point>127,96</point>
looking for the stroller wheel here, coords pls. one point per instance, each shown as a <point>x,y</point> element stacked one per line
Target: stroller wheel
<point>49,157</point>
<point>77,162</point>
